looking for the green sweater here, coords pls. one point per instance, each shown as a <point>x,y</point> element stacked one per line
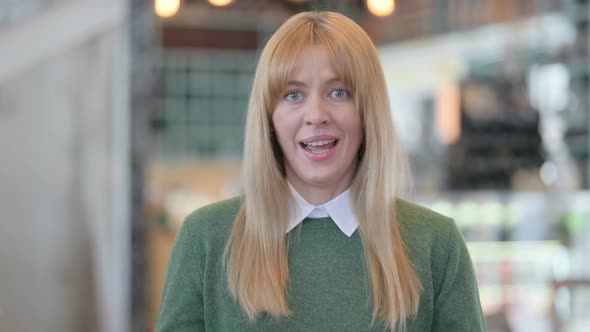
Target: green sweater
<point>327,288</point>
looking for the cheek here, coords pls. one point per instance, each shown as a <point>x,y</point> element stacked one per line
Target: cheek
<point>281,129</point>
<point>285,126</point>
<point>353,125</point>
<point>277,120</point>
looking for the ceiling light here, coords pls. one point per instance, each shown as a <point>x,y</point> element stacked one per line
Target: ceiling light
<point>220,3</point>
<point>166,8</point>
<point>381,7</point>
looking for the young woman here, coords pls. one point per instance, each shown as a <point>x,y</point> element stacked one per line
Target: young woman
<point>319,241</point>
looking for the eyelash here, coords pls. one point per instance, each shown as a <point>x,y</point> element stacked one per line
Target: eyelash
<point>343,90</point>
<point>290,93</point>
<point>286,95</point>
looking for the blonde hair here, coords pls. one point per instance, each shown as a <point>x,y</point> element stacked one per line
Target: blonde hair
<point>256,253</point>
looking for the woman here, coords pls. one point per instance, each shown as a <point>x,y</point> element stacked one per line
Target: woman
<point>319,241</point>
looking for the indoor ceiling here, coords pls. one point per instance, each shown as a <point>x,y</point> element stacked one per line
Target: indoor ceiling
<point>254,19</point>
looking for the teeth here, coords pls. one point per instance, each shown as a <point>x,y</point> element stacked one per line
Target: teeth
<point>320,143</point>
<point>319,146</point>
<point>318,151</point>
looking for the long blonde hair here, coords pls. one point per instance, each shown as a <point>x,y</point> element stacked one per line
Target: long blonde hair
<point>256,253</point>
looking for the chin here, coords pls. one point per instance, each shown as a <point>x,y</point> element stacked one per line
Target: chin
<point>319,180</point>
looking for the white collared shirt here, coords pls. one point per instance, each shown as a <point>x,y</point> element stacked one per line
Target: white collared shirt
<point>338,208</point>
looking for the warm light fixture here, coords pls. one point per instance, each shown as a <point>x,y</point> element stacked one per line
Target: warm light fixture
<point>166,8</point>
<point>381,7</point>
<point>448,114</point>
<point>220,3</point>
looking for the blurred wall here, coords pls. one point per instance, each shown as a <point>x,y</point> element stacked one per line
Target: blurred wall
<point>63,173</point>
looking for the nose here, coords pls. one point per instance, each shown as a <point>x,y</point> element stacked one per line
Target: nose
<point>315,113</point>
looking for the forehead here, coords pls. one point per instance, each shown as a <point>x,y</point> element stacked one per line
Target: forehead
<point>313,62</point>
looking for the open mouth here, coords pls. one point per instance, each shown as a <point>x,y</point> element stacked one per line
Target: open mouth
<point>319,146</point>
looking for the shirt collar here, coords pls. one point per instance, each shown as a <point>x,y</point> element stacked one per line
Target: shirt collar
<point>339,209</point>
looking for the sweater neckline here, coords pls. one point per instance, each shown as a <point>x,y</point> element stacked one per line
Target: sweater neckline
<point>324,222</point>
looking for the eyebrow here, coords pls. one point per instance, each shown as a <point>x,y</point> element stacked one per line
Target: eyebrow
<point>302,84</point>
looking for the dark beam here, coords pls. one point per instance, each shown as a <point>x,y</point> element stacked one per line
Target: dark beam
<point>193,37</point>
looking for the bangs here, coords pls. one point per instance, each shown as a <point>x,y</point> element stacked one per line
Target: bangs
<point>292,41</point>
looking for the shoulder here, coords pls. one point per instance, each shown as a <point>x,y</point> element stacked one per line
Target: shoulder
<point>221,210</point>
<point>428,235</point>
<point>419,220</point>
<point>441,259</point>
<point>213,221</point>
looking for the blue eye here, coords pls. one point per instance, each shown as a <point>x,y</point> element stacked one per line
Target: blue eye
<point>293,96</point>
<point>340,94</point>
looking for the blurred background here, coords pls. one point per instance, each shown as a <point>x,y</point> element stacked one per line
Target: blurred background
<point>119,117</point>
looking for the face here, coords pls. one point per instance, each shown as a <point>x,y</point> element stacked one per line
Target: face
<point>318,126</point>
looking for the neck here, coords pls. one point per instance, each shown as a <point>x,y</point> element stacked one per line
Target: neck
<point>319,195</point>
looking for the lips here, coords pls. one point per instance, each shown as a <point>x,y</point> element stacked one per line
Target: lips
<point>319,145</point>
